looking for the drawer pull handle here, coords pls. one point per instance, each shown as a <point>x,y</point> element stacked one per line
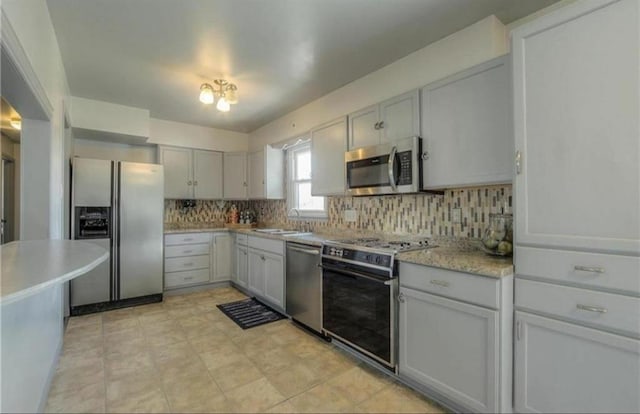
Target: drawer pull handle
<point>591,308</point>
<point>188,264</point>
<point>188,278</point>
<point>188,251</point>
<point>590,269</point>
<point>188,239</point>
<point>440,283</point>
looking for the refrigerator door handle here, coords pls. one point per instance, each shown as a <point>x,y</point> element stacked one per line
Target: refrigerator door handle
<point>113,227</point>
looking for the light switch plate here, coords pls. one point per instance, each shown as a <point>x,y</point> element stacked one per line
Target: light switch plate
<point>350,215</point>
<point>456,215</point>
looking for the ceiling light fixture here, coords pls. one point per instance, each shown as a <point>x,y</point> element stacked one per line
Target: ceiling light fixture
<point>226,93</point>
<point>16,123</point>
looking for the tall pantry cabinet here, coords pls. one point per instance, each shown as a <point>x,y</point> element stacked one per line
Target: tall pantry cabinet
<point>576,90</point>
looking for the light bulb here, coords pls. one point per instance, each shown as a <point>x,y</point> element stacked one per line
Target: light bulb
<point>231,96</point>
<point>206,94</point>
<point>223,105</point>
<point>16,123</point>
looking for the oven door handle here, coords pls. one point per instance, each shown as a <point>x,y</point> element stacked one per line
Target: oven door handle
<point>391,170</point>
<point>357,274</point>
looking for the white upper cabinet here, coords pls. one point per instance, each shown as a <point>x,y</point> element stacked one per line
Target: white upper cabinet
<point>328,145</point>
<point>576,78</point>
<point>266,173</point>
<point>466,128</point>
<point>191,173</point>
<point>363,127</point>
<point>400,117</point>
<point>235,176</point>
<point>207,174</point>
<point>395,118</point>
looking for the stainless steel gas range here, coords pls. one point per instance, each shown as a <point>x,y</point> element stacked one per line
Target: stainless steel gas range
<point>359,291</point>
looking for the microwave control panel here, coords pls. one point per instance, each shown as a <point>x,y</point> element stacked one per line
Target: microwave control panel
<point>405,164</point>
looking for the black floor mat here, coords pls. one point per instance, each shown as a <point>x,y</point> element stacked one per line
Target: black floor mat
<point>249,313</point>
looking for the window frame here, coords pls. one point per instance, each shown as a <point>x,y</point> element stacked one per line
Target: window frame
<point>293,212</point>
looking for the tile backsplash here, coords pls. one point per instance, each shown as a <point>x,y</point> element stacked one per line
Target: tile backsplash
<point>427,214</point>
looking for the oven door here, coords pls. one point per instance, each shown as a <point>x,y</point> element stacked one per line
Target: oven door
<point>359,309</point>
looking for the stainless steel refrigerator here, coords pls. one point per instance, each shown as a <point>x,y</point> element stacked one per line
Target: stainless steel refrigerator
<point>119,206</point>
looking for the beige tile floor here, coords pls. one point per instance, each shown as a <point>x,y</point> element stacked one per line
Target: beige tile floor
<point>184,355</point>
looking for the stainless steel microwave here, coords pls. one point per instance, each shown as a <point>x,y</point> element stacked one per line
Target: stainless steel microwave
<point>392,168</point>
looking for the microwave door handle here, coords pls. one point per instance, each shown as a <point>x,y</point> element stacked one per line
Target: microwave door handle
<point>391,171</point>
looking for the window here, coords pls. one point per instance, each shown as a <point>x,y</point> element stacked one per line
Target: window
<point>300,201</point>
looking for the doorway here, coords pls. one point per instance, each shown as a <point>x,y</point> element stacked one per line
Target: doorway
<point>10,127</point>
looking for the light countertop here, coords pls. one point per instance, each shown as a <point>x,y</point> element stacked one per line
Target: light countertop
<point>453,254</point>
<point>28,267</point>
<point>462,257</point>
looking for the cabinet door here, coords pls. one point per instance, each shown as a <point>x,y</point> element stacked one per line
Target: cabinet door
<point>562,367</point>
<point>221,254</point>
<point>207,175</point>
<point>274,279</point>
<point>242,266</point>
<point>256,272</point>
<point>328,145</point>
<point>576,76</point>
<point>451,347</point>
<point>363,129</point>
<point>466,127</point>
<point>400,117</point>
<point>235,176</point>
<point>255,168</point>
<point>273,173</point>
<point>178,172</point>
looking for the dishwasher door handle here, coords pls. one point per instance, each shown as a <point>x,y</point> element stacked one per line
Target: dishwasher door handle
<point>305,251</point>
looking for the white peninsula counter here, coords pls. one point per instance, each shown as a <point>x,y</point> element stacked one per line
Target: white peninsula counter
<point>32,274</point>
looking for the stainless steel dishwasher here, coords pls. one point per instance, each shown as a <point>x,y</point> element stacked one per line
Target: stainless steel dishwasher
<point>304,285</point>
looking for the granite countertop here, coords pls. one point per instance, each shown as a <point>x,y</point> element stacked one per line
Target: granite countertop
<point>460,255</point>
<point>453,254</point>
<point>27,267</point>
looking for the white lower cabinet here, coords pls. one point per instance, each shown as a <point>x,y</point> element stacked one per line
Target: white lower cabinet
<point>564,367</point>
<point>196,258</point>
<point>242,266</point>
<point>451,347</point>
<point>221,257</point>
<point>266,270</point>
<point>256,272</point>
<point>274,279</point>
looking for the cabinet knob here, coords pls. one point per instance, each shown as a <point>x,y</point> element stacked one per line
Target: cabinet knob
<point>381,125</point>
<point>188,182</point>
<point>195,183</point>
<point>377,125</point>
<point>401,298</point>
<point>262,257</point>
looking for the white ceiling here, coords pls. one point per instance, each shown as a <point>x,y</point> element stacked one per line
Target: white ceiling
<point>154,54</point>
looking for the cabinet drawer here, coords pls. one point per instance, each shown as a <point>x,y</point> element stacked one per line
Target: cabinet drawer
<point>599,309</point>
<point>480,290</point>
<point>186,250</point>
<point>176,279</point>
<point>242,239</point>
<point>269,245</point>
<point>186,238</point>
<point>593,270</point>
<point>177,264</point>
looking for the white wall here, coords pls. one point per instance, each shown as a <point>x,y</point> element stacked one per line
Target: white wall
<point>113,151</point>
<point>187,135</point>
<point>30,22</point>
<point>477,43</point>
<point>108,117</point>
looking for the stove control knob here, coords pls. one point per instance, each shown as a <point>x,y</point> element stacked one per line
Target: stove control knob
<point>378,259</point>
<point>332,252</point>
<point>368,258</point>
